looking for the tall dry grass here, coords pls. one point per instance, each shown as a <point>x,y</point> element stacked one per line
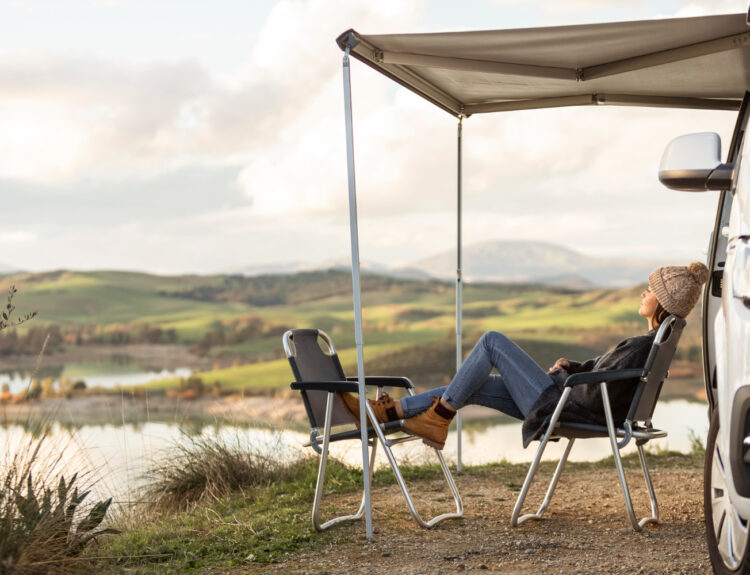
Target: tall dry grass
<point>198,468</point>
<point>46,518</point>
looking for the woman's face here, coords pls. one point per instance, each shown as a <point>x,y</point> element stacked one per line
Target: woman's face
<point>648,304</point>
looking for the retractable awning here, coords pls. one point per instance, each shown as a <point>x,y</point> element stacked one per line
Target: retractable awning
<point>680,62</point>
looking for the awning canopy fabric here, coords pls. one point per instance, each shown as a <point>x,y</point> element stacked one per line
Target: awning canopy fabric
<point>682,62</point>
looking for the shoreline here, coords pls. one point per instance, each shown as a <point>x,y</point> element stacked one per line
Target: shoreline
<point>168,356</point>
<point>114,409</point>
<point>266,409</point>
<point>117,409</point>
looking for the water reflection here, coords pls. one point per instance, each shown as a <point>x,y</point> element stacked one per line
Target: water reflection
<point>107,373</point>
<point>117,456</point>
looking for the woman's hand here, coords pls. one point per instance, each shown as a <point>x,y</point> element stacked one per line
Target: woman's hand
<point>561,363</point>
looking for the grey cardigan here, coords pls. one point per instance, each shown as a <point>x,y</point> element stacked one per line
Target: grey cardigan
<point>584,404</point>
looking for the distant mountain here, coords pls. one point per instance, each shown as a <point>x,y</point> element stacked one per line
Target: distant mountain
<point>368,267</point>
<point>267,269</point>
<point>504,261</point>
<point>340,264</point>
<point>537,262</point>
<point>567,281</point>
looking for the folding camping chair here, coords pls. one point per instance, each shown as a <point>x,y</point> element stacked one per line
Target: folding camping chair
<point>319,376</point>
<point>637,425</point>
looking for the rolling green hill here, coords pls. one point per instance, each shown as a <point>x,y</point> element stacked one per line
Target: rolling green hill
<point>409,326</point>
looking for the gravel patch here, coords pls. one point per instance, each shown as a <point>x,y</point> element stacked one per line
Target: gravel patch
<point>585,529</point>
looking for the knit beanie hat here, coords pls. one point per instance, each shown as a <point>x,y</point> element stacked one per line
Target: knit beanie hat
<point>677,288</point>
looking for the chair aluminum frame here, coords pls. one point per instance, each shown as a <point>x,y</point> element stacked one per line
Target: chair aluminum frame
<point>379,431</point>
<point>627,433</point>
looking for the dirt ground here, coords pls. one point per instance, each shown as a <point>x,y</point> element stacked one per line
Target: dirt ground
<point>585,530</point>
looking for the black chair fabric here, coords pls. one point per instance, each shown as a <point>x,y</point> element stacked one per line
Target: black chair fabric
<point>311,363</point>
<point>657,366</point>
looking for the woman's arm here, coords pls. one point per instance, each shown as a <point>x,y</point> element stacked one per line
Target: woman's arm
<point>620,357</point>
<point>571,366</point>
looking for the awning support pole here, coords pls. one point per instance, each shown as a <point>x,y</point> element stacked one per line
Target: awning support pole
<point>355,285</point>
<point>459,355</point>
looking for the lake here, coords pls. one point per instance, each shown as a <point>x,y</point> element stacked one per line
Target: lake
<point>116,456</point>
<point>108,373</point>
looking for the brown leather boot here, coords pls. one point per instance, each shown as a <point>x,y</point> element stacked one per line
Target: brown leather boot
<point>384,408</point>
<point>431,425</point>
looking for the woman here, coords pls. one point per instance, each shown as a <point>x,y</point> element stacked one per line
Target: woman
<point>524,390</point>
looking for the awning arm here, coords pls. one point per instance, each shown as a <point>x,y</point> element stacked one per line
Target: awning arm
<point>666,56</point>
<point>484,66</point>
<point>604,100</point>
<point>365,52</point>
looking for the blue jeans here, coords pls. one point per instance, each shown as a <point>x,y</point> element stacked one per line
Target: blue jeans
<point>514,391</point>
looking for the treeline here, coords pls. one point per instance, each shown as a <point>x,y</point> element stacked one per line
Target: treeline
<point>32,340</point>
<point>220,333</point>
<point>237,331</point>
<point>299,288</point>
<point>120,335</point>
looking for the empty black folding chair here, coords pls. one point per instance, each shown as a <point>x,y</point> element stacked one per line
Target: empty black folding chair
<point>319,376</point>
<point>637,424</point>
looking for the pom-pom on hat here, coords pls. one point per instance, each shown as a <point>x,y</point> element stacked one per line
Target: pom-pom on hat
<point>678,288</point>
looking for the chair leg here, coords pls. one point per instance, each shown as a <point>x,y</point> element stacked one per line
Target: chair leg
<point>322,472</point>
<point>397,472</point>
<point>515,520</point>
<point>402,484</point>
<point>637,525</point>
<point>651,493</point>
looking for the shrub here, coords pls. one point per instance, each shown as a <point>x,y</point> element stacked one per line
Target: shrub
<point>66,387</point>
<point>43,530</point>
<point>34,391</point>
<point>193,383</point>
<point>418,314</point>
<point>6,319</point>
<point>199,468</point>
<point>48,388</point>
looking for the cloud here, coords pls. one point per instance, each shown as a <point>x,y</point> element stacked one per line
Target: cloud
<point>17,237</point>
<point>214,241</point>
<point>567,5</point>
<point>167,166</point>
<point>570,12</point>
<point>137,154</point>
<point>706,7</point>
<point>102,203</point>
<point>70,116</point>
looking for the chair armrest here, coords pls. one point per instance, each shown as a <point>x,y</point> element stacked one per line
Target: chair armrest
<point>599,376</point>
<point>385,381</point>
<point>331,386</point>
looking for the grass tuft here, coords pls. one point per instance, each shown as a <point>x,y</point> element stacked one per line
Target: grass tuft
<point>697,444</point>
<point>45,522</point>
<point>207,467</point>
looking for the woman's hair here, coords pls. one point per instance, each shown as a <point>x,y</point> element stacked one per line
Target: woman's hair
<point>660,314</point>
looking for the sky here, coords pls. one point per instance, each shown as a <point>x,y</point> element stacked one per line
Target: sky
<point>184,136</point>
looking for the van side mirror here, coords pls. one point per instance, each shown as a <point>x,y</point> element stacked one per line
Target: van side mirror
<point>692,163</point>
